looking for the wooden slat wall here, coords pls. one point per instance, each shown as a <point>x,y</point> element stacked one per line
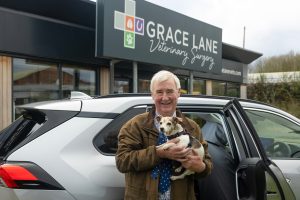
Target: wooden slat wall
<point>208,84</point>
<point>104,80</point>
<point>5,91</point>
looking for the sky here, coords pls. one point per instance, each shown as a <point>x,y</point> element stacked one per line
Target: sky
<point>272,27</point>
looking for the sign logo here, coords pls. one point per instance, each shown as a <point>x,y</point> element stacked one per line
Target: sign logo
<point>135,29</point>
<point>129,23</point>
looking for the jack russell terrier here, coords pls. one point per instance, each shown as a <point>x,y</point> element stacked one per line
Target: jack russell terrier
<point>172,128</point>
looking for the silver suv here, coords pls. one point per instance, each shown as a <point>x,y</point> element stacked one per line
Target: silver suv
<point>64,150</point>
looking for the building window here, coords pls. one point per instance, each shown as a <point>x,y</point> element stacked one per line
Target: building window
<point>77,78</point>
<point>225,89</point>
<point>184,83</point>
<point>199,87</point>
<point>121,86</point>
<point>34,81</point>
<point>233,90</point>
<point>144,86</point>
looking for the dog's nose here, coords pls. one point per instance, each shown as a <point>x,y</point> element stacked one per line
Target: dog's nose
<point>162,129</point>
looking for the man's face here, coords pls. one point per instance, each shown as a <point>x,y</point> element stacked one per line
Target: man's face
<point>165,95</point>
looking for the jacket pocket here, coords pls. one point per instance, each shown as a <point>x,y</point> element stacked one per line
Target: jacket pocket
<point>136,185</point>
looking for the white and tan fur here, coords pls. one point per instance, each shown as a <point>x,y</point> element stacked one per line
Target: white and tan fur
<point>171,126</point>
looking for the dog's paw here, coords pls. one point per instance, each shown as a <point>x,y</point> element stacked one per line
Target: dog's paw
<point>174,178</point>
<point>178,169</point>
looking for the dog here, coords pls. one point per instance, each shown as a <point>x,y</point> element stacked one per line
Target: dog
<point>172,128</point>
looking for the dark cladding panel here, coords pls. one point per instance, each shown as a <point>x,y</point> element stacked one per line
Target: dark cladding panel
<point>232,71</point>
<point>29,35</point>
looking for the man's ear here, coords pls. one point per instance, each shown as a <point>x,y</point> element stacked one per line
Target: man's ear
<point>179,92</point>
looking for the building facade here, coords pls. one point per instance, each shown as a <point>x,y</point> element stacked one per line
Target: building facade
<point>52,47</point>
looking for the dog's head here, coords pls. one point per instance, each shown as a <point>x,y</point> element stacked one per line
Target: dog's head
<point>169,125</point>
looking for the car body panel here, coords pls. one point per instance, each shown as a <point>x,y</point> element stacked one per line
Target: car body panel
<point>118,105</point>
<point>68,152</point>
<point>69,157</point>
<point>291,171</point>
<point>19,194</point>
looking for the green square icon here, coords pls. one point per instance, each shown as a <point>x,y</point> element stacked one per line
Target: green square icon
<point>129,40</point>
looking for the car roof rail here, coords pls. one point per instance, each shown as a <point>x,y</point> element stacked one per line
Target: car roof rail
<point>123,95</point>
<point>115,95</point>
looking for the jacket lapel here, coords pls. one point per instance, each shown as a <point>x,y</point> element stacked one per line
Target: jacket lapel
<point>149,126</point>
<point>186,125</point>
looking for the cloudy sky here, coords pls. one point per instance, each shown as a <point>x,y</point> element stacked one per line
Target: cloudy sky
<point>272,26</point>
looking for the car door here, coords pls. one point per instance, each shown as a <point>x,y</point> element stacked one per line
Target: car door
<point>257,177</point>
<point>280,135</point>
<point>106,143</point>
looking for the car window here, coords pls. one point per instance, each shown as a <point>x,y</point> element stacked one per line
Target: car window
<point>224,162</point>
<point>212,127</point>
<point>20,129</point>
<point>210,123</point>
<point>280,136</point>
<point>107,139</point>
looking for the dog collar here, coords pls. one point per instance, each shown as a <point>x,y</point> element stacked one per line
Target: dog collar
<point>177,135</point>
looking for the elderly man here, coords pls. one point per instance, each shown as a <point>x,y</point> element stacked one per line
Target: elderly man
<point>145,164</point>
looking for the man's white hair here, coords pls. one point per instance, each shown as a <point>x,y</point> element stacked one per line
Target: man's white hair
<point>163,76</point>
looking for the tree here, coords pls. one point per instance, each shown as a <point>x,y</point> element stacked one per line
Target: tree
<point>286,94</point>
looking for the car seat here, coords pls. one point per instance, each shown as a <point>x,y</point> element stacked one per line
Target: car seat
<point>220,184</point>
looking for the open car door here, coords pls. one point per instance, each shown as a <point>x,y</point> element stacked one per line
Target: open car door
<point>257,177</point>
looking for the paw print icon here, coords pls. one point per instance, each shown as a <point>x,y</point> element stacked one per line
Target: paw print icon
<point>129,39</point>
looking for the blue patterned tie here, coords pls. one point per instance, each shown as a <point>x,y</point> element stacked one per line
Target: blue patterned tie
<point>164,169</point>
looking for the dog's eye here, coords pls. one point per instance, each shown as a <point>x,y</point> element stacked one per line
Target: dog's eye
<point>169,124</point>
<point>160,123</point>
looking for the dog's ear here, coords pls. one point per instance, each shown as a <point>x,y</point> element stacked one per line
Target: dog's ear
<point>158,118</point>
<point>177,120</point>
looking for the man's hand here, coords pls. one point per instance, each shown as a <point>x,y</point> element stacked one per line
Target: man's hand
<point>193,162</point>
<point>174,151</point>
<point>187,156</point>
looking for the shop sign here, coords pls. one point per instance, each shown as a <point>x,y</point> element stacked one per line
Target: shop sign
<point>144,32</point>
